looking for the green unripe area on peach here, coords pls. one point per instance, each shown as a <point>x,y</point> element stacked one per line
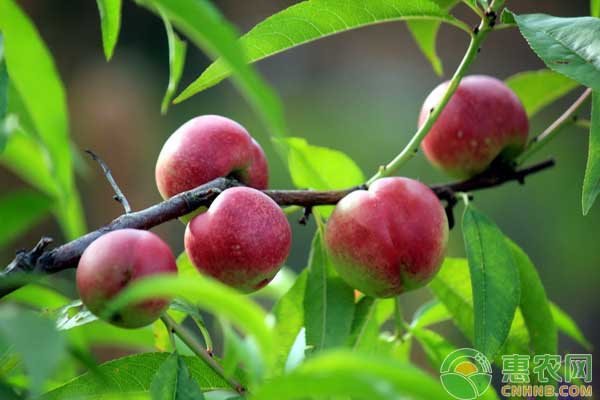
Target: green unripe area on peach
<point>115,260</point>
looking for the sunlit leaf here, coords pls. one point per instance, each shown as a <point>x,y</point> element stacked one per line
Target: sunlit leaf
<point>595,8</point>
<point>311,20</point>
<point>210,295</point>
<point>591,181</point>
<point>320,168</point>
<point>110,22</point>
<point>566,45</point>
<point>425,34</point>
<point>40,297</point>
<point>328,302</point>
<point>132,375</point>
<point>289,319</point>
<point>494,279</point>
<point>537,89</point>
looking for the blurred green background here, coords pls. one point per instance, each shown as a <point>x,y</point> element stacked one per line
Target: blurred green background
<point>358,92</point>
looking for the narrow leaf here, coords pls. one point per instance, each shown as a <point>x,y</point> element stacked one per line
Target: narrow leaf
<point>131,375</point>
<point>352,374</point>
<point>566,45</point>
<point>425,34</point>
<point>595,8</point>
<point>364,332</point>
<point>535,305</point>
<point>315,19</point>
<point>205,26</point>
<point>328,302</point>
<point>591,181</point>
<point>537,89</point>
<point>3,94</point>
<point>566,325</point>
<point>429,314</point>
<point>177,51</point>
<point>19,211</point>
<point>452,287</point>
<point>494,281</point>
<point>174,382</point>
<point>289,319</point>
<point>210,295</point>
<point>34,75</point>
<point>110,23</point>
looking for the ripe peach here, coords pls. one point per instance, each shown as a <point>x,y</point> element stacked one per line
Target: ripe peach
<point>206,148</point>
<point>484,119</point>
<point>389,239</point>
<point>242,240</point>
<point>112,262</point>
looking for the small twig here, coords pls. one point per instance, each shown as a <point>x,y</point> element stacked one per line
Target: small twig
<point>550,132</point>
<point>305,215</point>
<point>187,338</point>
<point>119,196</point>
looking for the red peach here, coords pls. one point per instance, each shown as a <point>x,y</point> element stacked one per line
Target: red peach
<point>206,148</point>
<point>242,240</point>
<point>389,239</point>
<point>115,260</point>
<point>484,119</point>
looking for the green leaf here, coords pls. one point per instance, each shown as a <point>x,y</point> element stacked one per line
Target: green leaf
<point>101,333</point>
<point>34,75</point>
<point>132,375</point>
<point>352,374</point>
<point>566,325</point>
<point>436,348</point>
<point>173,381</point>
<point>25,157</point>
<point>289,319</point>
<point>566,45</point>
<point>452,286</point>
<point>22,328</point>
<point>315,19</point>
<point>535,305</point>
<point>32,71</point>
<point>425,34</point>
<point>73,315</point>
<point>494,280</point>
<point>110,22</point>
<point>205,26</point>
<point>537,89</point>
<point>210,295</point>
<point>3,94</point>
<point>364,332</point>
<point>177,51</point>
<point>595,8</point>
<point>429,314</point>
<point>37,296</point>
<point>591,181</point>
<point>320,168</point>
<point>19,211</point>
<point>328,301</point>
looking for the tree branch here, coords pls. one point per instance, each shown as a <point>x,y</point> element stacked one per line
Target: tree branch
<point>67,256</point>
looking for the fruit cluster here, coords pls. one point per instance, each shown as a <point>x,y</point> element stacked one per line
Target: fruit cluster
<point>383,241</point>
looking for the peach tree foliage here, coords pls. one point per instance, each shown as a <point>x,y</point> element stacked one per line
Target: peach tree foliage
<point>316,337</point>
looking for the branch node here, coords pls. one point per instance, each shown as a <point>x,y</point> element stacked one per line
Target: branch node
<point>305,216</point>
<point>119,196</point>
